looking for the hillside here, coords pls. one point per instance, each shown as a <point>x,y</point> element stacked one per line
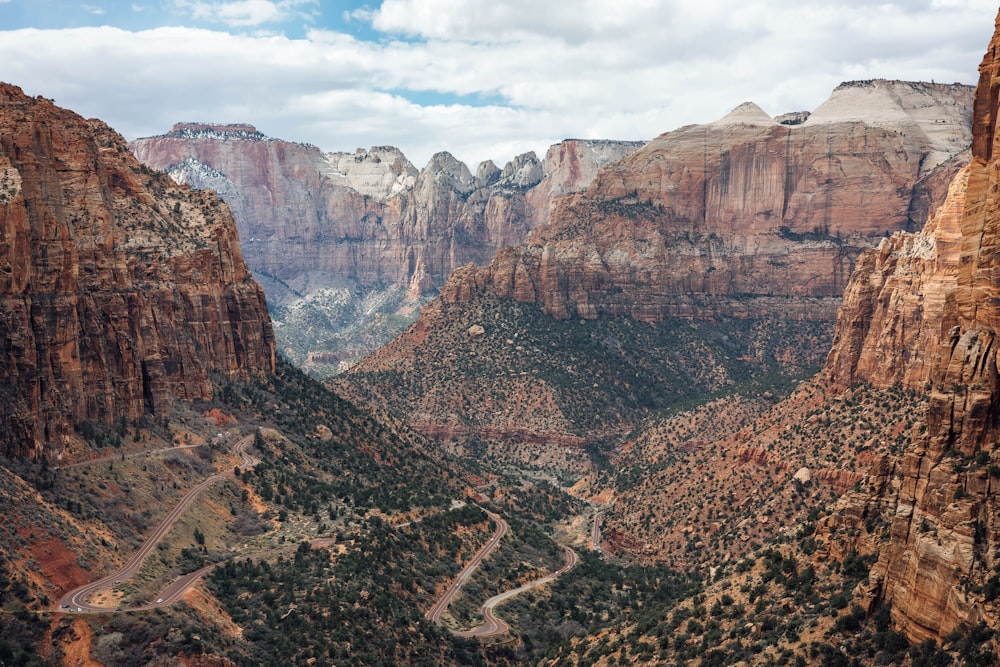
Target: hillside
<point>720,251</point>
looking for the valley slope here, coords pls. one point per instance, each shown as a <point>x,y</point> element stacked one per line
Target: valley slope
<point>726,246</point>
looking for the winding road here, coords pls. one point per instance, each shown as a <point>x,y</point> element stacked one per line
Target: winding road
<point>492,625</point>
<point>434,613</point>
<point>76,600</point>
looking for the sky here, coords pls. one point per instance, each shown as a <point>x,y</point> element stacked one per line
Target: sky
<point>481,79</point>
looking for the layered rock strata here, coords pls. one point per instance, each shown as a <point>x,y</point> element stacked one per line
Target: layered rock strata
<point>369,218</point>
<point>120,291</point>
<point>715,220</point>
<point>922,310</point>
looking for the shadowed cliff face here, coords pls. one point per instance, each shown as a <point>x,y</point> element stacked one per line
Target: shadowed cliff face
<point>705,220</point>
<point>924,310</point>
<point>119,290</point>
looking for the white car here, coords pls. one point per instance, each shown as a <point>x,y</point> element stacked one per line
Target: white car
<point>159,600</point>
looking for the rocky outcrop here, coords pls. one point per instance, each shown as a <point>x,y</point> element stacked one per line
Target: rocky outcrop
<point>368,217</point>
<point>330,234</point>
<point>120,291</point>
<point>716,219</point>
<point>922,310</point>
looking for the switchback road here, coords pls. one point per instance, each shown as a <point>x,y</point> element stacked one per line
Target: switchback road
<point>434,613</point>
<point>76,600</point>
<point>492,625</point>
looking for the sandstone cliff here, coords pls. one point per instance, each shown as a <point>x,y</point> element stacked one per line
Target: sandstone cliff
<point>330,234</point>
<point>737,237</point>
<point>119,290</point>
<point>922,310</point>
<point>716,219</point>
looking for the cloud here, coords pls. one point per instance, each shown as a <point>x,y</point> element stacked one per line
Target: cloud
<point>546,70</point>
<point>242,13</point>
<point>96,11</point>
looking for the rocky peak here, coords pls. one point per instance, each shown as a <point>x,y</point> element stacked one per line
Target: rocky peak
<point>380,172</point>
<point>445,170</point>
<point>487,173</point>
<point>524,171</point>
<point>120,291</point>
<point>936,115</point>
<point>747,113</point>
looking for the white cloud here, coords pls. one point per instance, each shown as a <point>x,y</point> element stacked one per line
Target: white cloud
<point>555,69</point>
<point>242,13</point>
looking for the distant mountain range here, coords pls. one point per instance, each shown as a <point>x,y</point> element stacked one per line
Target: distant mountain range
<point>348,246</point>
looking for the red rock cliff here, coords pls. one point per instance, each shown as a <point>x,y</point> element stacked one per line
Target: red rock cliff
<point>721,219</point>
<point>924,310</point>
<point>119,290</point>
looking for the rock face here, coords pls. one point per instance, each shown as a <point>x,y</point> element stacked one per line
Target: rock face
<point>923,310</point>
<point>741,225</point>
<point>371,216</point>
<point>119,290</point>
<point>741,215</point>
<point>348,227</point>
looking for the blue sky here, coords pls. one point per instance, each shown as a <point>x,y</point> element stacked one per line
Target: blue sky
<point>481,79</point>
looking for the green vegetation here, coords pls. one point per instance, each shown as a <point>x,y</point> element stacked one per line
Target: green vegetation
<point>361,606</point>
<point>589,376</point>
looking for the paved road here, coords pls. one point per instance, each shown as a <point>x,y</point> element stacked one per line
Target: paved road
<point>595,533</point>
<point>492,625</point>
<point>76,600</point>
<point>146,453</point>
<point>434,613</point>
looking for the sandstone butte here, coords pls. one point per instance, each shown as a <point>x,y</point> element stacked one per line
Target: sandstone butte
<point>923,310</point>
<point>368,218</point>
<point>120,291</point>
<point>744,215</point>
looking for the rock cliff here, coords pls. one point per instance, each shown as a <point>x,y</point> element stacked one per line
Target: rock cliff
<point>710,232</point>
<point>716,219</point>
<point>326,233</point>
<point>923,310</point>
<point>120,291</point>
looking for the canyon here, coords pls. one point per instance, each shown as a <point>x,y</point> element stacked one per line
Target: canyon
<point>348,246</point>
<point>737,236</point>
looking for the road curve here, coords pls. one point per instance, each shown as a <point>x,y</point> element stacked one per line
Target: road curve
<point>76,600</point>
<point>492,625</point>
<point>434,613</point>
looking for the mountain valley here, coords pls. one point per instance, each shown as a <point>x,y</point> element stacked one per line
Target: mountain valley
<point>729,397</point>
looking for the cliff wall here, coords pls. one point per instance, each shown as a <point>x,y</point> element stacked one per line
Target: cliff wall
<point>712,219</point>
<point>119,290</point>
<point>923,310</point>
